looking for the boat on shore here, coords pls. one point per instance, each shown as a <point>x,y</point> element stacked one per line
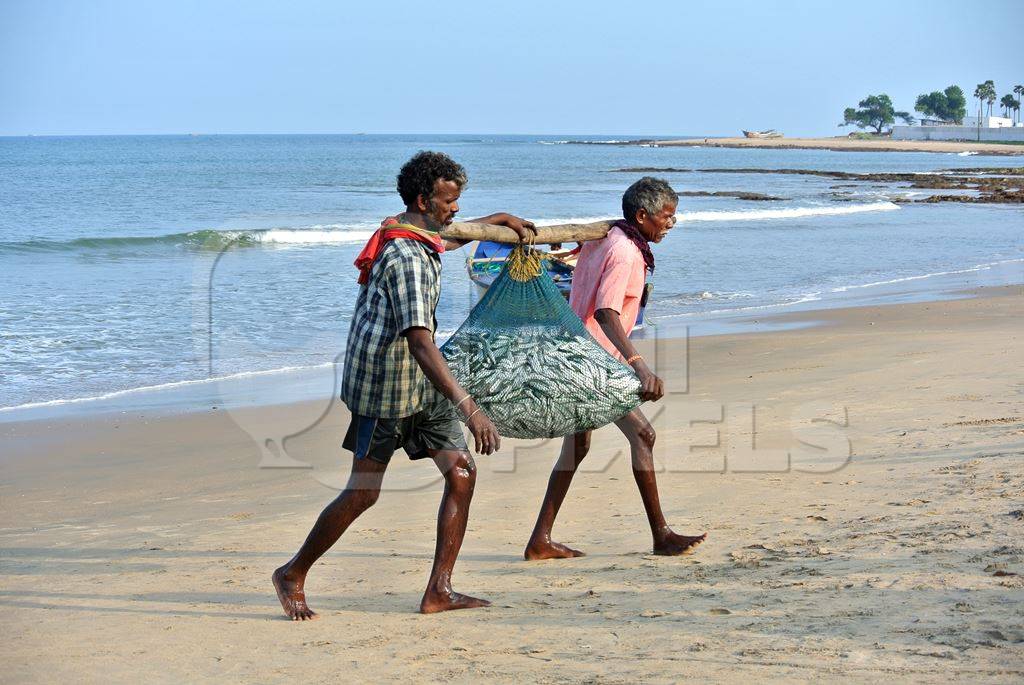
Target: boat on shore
<point>485,260</point>
<point>770,133</point>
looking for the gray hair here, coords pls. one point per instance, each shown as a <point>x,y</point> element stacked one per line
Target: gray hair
<point>650,194</point>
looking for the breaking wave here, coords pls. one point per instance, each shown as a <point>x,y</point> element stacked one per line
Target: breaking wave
<point>200,240</point>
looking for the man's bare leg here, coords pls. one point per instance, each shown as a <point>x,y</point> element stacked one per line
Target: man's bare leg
<point>541,546</point>
<point>459,481</point>
<point>641,435</point>
<point>360,493</point>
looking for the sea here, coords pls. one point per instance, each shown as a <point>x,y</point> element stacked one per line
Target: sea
<point>198,271</point>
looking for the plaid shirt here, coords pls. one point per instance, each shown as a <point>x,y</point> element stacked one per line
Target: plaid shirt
<point>381,377</point>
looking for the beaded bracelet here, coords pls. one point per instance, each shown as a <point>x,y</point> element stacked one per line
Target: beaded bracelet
<point>634,358</point>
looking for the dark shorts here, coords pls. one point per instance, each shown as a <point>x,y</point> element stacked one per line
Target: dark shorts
<point>436,427</point>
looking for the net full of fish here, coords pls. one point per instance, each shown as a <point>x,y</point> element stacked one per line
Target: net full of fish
<point>532,366</point>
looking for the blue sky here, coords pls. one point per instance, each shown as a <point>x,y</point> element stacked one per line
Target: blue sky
<point>641,68</point>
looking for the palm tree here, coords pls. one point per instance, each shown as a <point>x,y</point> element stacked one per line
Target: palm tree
<point>1007,104</point>
<point>1019,92</point>
<point>990,95</point>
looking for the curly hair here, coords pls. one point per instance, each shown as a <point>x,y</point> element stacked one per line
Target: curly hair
<point>648,193</point>
<point>418,175</point>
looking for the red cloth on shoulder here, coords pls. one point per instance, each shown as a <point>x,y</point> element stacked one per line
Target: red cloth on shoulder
<point>390,229</point>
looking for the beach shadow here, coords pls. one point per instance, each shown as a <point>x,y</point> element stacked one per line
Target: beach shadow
<point>108,554</point>
<point>384,602</point>
<point>25,567</point>
<point>27,599</point>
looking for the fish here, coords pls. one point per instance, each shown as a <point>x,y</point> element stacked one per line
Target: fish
<point>541,381</point>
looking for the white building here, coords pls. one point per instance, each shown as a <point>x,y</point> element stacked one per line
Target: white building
<point>992,130</point>
<point>989,122</point>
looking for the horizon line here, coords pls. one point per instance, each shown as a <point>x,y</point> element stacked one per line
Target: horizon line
<point>194,134</point>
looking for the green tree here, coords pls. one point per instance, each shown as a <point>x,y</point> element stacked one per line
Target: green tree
<point>931,104</point>
<point>947,105</point>
<point>1007,104</point>
<point>979,94</point>
<point>1019,92</point>
<point>956,104</point>
<point>986,94</point>
<point>875,111</point>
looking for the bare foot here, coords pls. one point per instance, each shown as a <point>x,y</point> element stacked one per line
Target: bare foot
<point>673,544</point>
<point>535,551</point>
<point>434,602</point>
<point>293,598</point>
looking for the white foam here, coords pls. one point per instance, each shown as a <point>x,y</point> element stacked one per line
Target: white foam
<point>367,225</point>
<point>978,267</point>
<point>574,220</point>
<point>808,297</point>
<point>686,298</point>
<point>584,142</point>
<point>745,215</point>
<point>788,213</point>
<point>309,237</point>
<point>161,386</point>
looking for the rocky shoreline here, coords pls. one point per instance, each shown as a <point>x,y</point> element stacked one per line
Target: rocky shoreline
<point>738,194</point>
<point>835,144</point>
<point>996,185</point>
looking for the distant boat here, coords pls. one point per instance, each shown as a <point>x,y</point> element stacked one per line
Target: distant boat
<point>770,133</point>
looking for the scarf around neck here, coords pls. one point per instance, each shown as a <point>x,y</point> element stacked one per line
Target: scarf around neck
<point>390,229</point>
<point>638,239</point>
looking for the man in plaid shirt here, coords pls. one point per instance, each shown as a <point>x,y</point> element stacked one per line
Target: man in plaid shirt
<point>398,386</point>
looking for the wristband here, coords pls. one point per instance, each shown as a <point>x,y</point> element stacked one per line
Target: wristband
<point>634,358</point>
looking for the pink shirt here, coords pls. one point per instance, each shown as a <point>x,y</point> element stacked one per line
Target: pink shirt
<point>609,274</point>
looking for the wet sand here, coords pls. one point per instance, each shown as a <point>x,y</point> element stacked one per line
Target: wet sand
<point>140,548</point>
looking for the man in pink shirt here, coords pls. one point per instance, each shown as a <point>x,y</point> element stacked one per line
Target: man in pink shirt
<point>607,286</point>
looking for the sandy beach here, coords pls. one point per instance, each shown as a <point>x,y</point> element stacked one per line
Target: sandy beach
<point>138,547</point>
<point>845,144</point>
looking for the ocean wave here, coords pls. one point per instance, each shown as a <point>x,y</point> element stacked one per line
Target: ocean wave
<point>807,297</point>
<point>816,296</point>
<point>160,386</point>
<point>788,213</point>
<point>745,214</point>
<point>573,220</point>
<point>701,296</point>
<point>977,267</point>
<point>208,239</point>
<point>340,234</point>
<point>591,142</point>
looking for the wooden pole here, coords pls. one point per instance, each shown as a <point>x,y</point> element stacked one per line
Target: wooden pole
<point>546,235</point>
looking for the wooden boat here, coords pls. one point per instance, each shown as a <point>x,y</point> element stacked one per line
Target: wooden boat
<point>770,133</point>
<point>485,260</point>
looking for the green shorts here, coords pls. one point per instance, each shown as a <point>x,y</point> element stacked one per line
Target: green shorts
<point>435,427</point>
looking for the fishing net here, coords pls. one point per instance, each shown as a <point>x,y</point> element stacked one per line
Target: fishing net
<point>530,363</point>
